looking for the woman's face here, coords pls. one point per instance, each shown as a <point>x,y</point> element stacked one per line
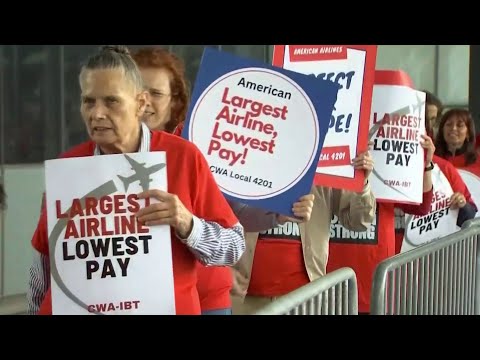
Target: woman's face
<point>455,132</point>
<point>159,105</point>
<point>111,107</point>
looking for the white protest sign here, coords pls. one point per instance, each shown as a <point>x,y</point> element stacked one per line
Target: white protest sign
<point>473,184</point>
<point>397,123</point>
<point>102,259</point>
<point>251,125</point>
<point>440,221</point>
<point>353,68</point>
<point>260,128</point>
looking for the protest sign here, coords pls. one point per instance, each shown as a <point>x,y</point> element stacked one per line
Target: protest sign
<point>397,123</point>
<point>440,221</point>
<point>353,68</point>
<point>260,128</point>
<point>473,184</point>
<point>102,259</point>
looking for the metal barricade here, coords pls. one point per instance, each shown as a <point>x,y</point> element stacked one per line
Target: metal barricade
<point>333,294</point>
<point>440,277</point>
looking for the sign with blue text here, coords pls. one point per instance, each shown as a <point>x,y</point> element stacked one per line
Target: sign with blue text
<point>261,128</point>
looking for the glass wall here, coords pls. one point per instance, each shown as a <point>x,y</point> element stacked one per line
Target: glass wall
<point>441,69</point>
<point>31,102</point>
<point>453,74</point>
<point>41,95</point>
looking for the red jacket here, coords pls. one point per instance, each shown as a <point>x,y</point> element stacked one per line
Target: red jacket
<point>214,282</point>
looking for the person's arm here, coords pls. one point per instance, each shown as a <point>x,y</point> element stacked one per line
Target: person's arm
<point>424,208</point>
<point>462,198</point>
<point>207,225</point>
<point>39,274</point>
<point>215,245</point>
<point>421,209</point>
<point>355,211</point>
<point>254,219</point>
<point>257,220</point>
<point>38,283</point>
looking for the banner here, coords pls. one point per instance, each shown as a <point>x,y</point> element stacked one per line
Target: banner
<point>353,68</point>
<point>473,184</point>
<point>287,231</point>
<point>102,260</point>
<point>440,221</point>
<point>396,126</point>
<point>341,235</point>
<point>260,128</point>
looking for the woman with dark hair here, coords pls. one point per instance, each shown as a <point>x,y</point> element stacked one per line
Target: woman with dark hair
<point>456,140</point>
<point>446,177</point>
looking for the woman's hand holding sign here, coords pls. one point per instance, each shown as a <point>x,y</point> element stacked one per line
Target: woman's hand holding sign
<point>168,211</point>
<point>457,201</point>
<point>364,161</point>
<point>427,144</point>
<point>302,209</point>
<point>429,147</point>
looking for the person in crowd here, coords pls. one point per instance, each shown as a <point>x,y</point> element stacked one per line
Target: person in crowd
<point>164,78</point>
<point>461,198</point>
<point>456,140</point>
<point>286,257</point>
<point>113,101</point>
<point>363,254</point>
<point>433,112</point>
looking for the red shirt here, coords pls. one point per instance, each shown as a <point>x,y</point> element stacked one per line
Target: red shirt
<point>458,161</point>
<point>451,173</point>
<point>278,265</point>
<point>364,251</point>
<point>214,282</point>
<point>213,285</point>
<point>197,192</point>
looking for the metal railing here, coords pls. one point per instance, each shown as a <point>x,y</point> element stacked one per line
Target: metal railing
<point>441,277</point>
<point>333,294</point>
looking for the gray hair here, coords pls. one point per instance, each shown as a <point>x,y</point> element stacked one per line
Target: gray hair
<point>114,57</point>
